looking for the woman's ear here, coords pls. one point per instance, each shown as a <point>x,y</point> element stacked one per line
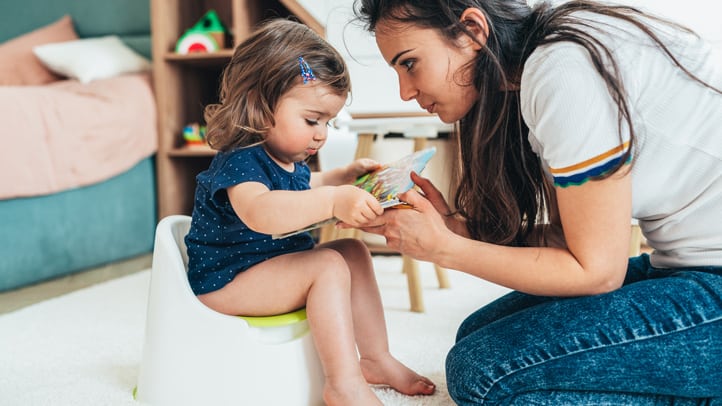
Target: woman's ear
<point>475,21</point>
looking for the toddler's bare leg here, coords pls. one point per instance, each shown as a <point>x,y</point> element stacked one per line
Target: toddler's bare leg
<point>318,279</point>
<point>330,316</point>
<point>377,363</point>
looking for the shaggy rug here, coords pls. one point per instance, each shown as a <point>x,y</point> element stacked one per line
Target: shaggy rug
<point>84,348</point>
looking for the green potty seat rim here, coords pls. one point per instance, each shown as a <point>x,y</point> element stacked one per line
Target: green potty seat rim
<point>277,320</point>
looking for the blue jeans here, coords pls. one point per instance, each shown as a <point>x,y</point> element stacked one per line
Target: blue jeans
<point>655,341</point>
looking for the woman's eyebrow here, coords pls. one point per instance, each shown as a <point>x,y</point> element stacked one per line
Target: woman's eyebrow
<point>399,55</point>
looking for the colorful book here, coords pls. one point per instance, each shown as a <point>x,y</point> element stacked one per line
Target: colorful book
<point>385,183</point>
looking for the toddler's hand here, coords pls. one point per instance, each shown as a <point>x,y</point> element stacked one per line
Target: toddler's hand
<point>360,167</point>
<point>355,206</point>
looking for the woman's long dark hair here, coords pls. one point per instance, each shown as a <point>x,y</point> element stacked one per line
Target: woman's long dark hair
<point>502,191</point>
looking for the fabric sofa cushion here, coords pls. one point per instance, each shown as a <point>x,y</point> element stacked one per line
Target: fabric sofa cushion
<point>20,67</point>
<point>91,59</point>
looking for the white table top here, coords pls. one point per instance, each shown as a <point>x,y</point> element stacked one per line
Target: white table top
<point>411,127</point>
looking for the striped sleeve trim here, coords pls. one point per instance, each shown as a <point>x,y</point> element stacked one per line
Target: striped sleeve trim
<point>581,172</point>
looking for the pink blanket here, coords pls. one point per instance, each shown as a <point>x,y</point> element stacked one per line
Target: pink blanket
<point>67,134</point>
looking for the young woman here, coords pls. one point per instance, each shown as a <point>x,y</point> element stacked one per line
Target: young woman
<point>572,121</point>
<point>278,94</point>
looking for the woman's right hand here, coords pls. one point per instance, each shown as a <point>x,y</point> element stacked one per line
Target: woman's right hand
<point>419,231</point>
<point>436,198</point>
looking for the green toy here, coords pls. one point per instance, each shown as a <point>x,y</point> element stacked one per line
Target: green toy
<point>207,35</point>
<point>194,135</point>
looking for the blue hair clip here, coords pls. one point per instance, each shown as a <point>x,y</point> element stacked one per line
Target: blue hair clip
<point>306,71</point>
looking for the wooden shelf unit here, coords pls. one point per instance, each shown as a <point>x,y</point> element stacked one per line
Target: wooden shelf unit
<point>185,84</point>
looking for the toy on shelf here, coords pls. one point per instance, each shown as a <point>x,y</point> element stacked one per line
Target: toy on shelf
<point>207,35</point>
<point>194,135</point>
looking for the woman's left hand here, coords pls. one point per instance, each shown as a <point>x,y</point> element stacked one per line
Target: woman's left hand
<point>417,231</point>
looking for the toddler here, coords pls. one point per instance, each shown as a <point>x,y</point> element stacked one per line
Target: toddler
<point>279,93</point>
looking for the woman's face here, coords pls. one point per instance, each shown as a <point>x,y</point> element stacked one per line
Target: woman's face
<point>432,70</point>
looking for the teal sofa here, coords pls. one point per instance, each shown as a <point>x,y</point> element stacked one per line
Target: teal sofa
<point>48,236</point>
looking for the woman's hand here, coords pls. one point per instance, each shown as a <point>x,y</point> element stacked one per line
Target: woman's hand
<point>432,194</point>
<point>436,198</point>
<point>417,231</point>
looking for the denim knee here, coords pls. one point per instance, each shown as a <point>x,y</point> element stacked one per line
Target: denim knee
<point>462,383</point>
<point>455,382</point>
<point>506,305</point>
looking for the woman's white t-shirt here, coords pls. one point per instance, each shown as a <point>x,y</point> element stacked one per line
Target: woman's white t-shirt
<point>677,156</point>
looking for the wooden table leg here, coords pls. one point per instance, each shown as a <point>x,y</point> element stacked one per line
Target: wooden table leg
<point>442,276</point>
<point>364,144</point>
<point>416,295</point>
<point>635,242</point>
<point>419,144</point>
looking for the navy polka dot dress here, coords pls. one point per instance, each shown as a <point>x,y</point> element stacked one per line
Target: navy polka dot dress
<point>219,244</point>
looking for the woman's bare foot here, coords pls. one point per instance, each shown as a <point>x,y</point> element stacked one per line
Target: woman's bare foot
<point>389,371</point>
<point>348,393</point>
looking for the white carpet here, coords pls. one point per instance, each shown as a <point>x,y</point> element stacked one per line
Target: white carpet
<point>84,348</point>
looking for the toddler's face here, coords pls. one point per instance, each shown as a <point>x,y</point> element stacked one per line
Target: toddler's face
<point>302,118</point>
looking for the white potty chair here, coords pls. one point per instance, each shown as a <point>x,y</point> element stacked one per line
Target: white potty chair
<point>196,356</point>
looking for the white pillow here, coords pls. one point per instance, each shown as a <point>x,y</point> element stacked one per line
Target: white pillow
<point>91,58</point>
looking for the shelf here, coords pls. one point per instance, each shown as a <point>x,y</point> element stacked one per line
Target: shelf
<point>191,152</point>
<point>201,58</point>
<point>185,84</point>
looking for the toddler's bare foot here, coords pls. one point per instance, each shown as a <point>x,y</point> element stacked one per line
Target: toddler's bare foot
<point>389,371</point>
<point>348,393</point>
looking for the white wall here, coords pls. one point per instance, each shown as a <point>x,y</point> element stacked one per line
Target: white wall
<point>375,86</point>
<point>703,16</point>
